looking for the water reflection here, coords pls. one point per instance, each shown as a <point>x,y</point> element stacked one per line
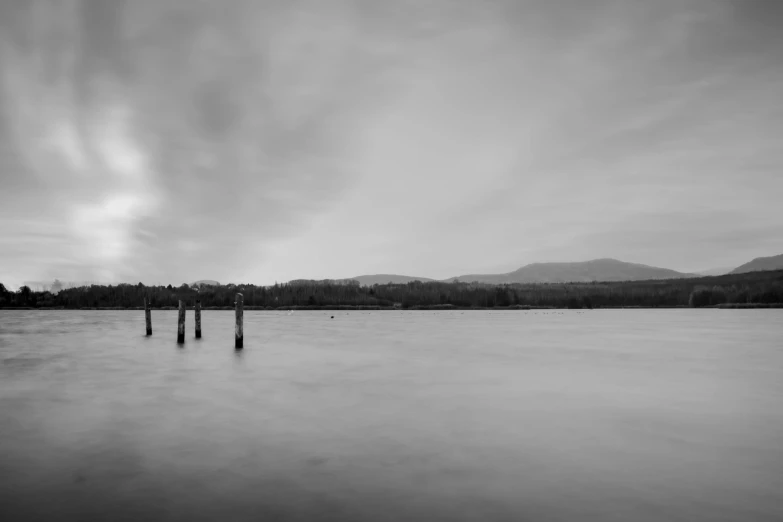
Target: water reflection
<point>611,415</point>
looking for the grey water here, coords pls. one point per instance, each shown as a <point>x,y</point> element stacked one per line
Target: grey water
<point>626,415</point>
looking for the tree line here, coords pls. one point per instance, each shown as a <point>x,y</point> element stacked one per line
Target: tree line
<point>749,288</point>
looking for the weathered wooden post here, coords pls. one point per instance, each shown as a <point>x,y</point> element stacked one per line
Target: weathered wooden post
<point>148,316</point>
<point>238,331</point>
<point>181,323</point>
<point>198,319</point>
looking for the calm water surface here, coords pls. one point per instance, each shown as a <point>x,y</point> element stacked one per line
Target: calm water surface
<point>621,415</point>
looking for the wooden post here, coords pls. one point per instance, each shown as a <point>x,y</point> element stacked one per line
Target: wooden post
<point>181,323</point>
<point>148,316</point>
<point>198,319</point>
<point>238,330</point>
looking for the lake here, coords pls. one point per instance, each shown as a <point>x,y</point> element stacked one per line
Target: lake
<point>569,415</point>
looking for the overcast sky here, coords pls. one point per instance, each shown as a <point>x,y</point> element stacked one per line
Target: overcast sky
<point>252,141</point>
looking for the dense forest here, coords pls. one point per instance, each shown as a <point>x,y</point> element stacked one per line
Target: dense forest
<point>742,289</point>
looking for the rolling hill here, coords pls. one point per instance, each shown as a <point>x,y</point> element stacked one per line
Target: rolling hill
<point>380,279</point>
<point>760,263</point>
<point>205,282</point>
<point>714,271</point>
<point>584,271</point>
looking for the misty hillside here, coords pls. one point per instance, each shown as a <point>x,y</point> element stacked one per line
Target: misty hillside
<point>714,271</point>
<point>307,282</point>
<point>382,279</point>
<point>760,263</point>
<point>205,282</point>
<point>585,271</point>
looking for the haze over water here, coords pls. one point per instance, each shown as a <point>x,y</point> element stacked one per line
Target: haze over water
<point>565,415</point>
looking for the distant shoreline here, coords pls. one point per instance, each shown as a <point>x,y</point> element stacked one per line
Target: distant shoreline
<point>412,308</point>
<point>763,288</point>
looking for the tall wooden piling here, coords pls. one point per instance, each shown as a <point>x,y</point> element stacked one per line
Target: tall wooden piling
<point>239,334</point>
<point>181,323</point>
<point>198,319</point>
<point>148,316</point>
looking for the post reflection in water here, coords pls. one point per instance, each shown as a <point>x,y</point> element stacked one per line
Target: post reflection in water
<point>471,415</point>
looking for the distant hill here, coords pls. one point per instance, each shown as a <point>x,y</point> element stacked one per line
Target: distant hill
<point>296,282</point>
<point>760,263</point>
<point>714,271</point>
<point>381,279</point>
<point>205,282</point>
<point>585,271</point>
<point>56,285</point>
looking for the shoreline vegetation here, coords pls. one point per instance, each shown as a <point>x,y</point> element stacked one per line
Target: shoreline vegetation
<point>392,308</point>
<point>734,291</point>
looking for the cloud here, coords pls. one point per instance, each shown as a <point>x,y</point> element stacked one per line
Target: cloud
<point>256,140</point>
<point>64,139</point>
<point>216,119</point>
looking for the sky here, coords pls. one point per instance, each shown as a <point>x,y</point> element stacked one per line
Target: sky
<point>253,141</point>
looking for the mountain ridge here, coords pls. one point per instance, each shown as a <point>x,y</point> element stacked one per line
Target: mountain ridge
<point>760,264</point>
<point>715,271</point>
<point>604,269</point>
<point>382,279</point>
<point>601,269</point>
<point>205,282</point>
